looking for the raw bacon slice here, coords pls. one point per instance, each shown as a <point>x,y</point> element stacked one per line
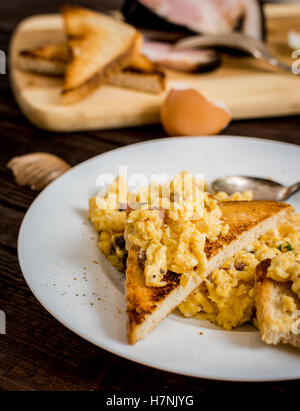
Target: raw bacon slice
<point>189,60</point>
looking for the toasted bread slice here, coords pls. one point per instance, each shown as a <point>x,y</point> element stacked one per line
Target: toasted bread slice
<point>147,306</point>
<point>147,82</point>
<point>48,60</point>
<point>274,323</point>
<point>101,47</point>
<point>52,60</point>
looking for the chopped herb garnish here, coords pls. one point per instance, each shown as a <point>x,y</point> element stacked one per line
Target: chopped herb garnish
<point>285,248</point>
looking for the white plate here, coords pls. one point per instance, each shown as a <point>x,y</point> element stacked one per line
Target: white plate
<point>73,281</point>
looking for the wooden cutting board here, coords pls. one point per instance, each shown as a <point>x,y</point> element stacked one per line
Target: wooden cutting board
<point>248,87</point>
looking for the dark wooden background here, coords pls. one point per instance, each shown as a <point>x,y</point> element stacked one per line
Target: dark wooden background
<point>38,353</point>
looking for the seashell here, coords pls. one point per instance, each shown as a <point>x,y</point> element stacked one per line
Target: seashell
<point>37,170</point>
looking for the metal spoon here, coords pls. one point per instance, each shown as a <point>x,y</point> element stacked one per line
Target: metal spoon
<point>262,189</point>
<point>254,47</point>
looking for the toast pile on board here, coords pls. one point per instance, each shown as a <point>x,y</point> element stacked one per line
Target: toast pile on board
<point>147,306</point>
<point>99,50</point>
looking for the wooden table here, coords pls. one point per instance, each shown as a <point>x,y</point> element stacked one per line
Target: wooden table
<point>39,353</point>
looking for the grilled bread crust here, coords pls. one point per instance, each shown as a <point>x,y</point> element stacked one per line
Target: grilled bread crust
<point>147,306</point>
<point>242,216</point>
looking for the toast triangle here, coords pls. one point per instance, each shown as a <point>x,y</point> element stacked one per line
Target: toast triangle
<point>100,47</point>
<point>147,306</point>
<point>52,59</point>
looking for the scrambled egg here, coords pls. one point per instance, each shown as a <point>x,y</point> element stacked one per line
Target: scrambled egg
<point>173,237</point>
<point>245,196</point>
<point>169,222</point>
<point>226,296</point>
<point>109,221</point>
<point>289,304</point>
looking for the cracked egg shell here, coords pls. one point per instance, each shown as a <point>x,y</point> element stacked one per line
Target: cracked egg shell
<point>188,113</point>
